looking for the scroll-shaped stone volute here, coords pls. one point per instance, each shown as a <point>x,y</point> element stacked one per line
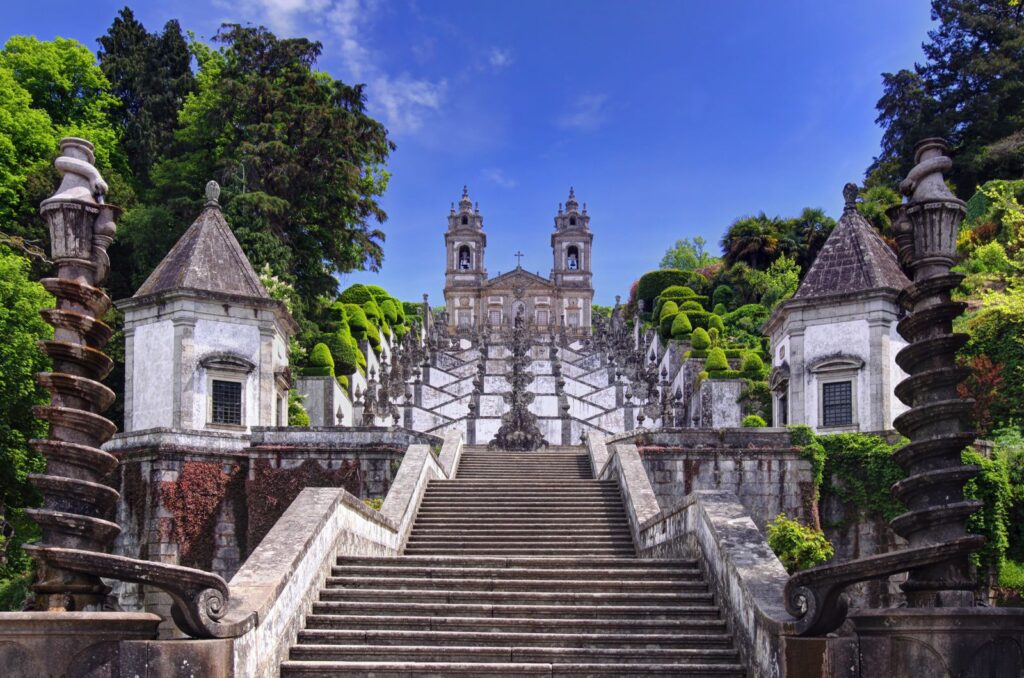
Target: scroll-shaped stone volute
<point>77,532</point>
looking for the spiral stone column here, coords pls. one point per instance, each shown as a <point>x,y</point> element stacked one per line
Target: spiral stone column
<point>77,502</point>
<point>938,422</point>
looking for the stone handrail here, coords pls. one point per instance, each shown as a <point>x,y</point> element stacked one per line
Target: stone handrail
<point>714,527</point>
<point>279,582</point>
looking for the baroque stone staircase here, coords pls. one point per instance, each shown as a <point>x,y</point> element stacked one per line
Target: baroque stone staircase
<point>523,564</point>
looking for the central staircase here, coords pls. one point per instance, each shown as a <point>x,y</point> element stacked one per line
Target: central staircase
<point>523,564</point>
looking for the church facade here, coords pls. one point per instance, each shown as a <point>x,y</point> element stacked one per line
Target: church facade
<point>560,302</point>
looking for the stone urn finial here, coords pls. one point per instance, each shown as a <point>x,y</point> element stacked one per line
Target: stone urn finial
<point>212,194</point>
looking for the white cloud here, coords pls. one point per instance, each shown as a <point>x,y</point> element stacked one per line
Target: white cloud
<point>500,58</point>
<point>588,114</point>
<point>496,176</point>
<point>402,101</point>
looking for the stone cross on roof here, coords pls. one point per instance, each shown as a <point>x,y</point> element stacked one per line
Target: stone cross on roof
<point>519,259</point>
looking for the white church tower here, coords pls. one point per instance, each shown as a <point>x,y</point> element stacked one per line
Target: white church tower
<point>206,348</point>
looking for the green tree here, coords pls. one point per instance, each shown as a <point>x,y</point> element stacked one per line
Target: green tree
<point>753,241</point>
<point>299,161</point>
<point>688,255</point>
<point>21,326</point>
<point>970,89</point>
<point>151,75</point>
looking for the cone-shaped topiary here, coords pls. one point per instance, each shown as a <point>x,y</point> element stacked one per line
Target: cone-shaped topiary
<point>715,322</point>
<point>321,364</point>
<point>716,361</point>
<point>667,309</point>
<point>681,327</point>
<point>358,323</point>
<point>700,339</point>
<point>356,294</point>
<point>752,366</point>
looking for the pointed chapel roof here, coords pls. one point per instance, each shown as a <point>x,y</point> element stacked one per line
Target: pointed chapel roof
<point>207,258</point>
<point>853,259</point>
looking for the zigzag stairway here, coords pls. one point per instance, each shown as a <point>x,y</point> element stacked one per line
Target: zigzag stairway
<point>523,564</point>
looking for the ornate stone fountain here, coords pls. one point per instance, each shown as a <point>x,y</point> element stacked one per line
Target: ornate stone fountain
<point>519,431</point>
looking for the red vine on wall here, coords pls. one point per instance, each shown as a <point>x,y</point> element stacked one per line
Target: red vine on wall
<point>194,500</point>
<point>272,490</point>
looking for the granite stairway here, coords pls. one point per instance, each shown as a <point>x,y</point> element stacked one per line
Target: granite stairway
<point>522,564</point>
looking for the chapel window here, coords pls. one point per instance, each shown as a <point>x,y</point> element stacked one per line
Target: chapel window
<point>837,403</point>
<point>226,402</point>
<point>572,221</point>
<point>465,220</point>
<point>495,317</point>
<point>465,262</point>
<point>572,259</point>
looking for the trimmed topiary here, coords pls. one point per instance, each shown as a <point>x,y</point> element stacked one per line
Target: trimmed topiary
<point>723,295</point>
<point>753,421</point>
<point>677,292</point>
<point>347,362</point>
<point>356,294</point>
<point>752,365</point>
<point>691,306</point>
<point>720,310</point>
<point>681,327</point>
<point>390,311</point>
<point>358,323</point>
<point>716,361</point>
<point>343,382</point>
<point>378,292</point>
<point>669,308</point>
<point>700,339</point>
<point>715,322</point>
<point>373,312</point>
<point>321,364</point>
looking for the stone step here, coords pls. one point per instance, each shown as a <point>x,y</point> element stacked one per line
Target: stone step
<point>509,574</point>
<point>526,500</point>
<point>483,532</point>
<point>527,654</point>
<point>694,584</point>
<point>362,669</point>
<point>511,639</point>
<point>489,514</point>
<point>457,597</point>
<point>707,623</point>
<point>516,482</point>
<point>421,539</point>
<point>462,520</point>
<point>559,611</point>
<point>522,551</point>
<point>581,564</point>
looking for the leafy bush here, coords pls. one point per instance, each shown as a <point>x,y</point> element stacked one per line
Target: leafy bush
<point>723,296</point>
<point>652,284</point>
<point>691,306</point>
<point>297,414</point>
<point>681,327</point>
<point>716,361</point>
<point>669,308</point>
<point>1011,577</point>
<point>358,323</point>
<point>859,470</point>
<point>378,292</point>
<point>390,311</point>
<point>798,547</point>
<point>700,339</point>
<point>812,450</point>
<point>677,292</point>
<point>719,310</point>
<point>321,364</point>
<point>992,486</point>
<point>715,322</point>
<point>374,503</point>
<point>752,365</point>
<point>753,421</point>
<point>356,294</point>
<point>665,327</point>
<point>373,312</point>
<point>744,324</point>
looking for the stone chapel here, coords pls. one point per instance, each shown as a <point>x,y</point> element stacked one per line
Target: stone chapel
<point>560,302</point>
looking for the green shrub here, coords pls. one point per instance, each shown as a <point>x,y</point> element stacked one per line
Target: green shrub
<point>343,382</point>
<point>652,284</point>
<point>752,365</point>
<point>373,312</point>
<point>356,294</point>
<point>666,324</point>
<point>700,339</point>
<point>753,421</point>
<point>991,486</point>
<point>390,311</point>
<point>677,292</point>
<point>14,592</point>
<point>726,374</point>
<point>358,323</point>
<point>715,322</point>
<point>723,296</point>
<point>347,354</point>
<point>719,310</point>
<point>669,308</point>
<point>378,292</point>
<point>691,306</point>
<point>374,503</point>
<point>859,470</point>
<point>699,318</point>
<point>297,414</point>
<point>716,361</point>
<point>1011,577</point>
<point>798,547</point>
<point>681,327</point>
<point>321,363</point>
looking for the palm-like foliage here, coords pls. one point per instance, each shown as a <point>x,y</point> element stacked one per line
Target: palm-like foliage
<point>754,241</point>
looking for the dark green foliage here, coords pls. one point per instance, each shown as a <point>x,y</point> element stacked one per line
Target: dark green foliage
<point>677,292</point>
<point>681,327</point>
<point>715,322</point>
<point>321,364</point>
<point>798,547</point>
<point>21,327</point>
<point>992,486</point>
<point>859,470</point>
<point>756,397</point>
<point>700,340</point>
<point>811,449</point>
<point>968,89</point>
<point>356,294</point>
<point>723,296</point>
<point>719,309</point>
<point>691,306</point>
<point>151,75</point>
<point>358,323</point>
<point>744,324</point>
<point>651,284</point>
<point>753,421</point>
<point>752,366</point>
<point>716,361</point>
<point>1009,449</point>
<point>297,414</point>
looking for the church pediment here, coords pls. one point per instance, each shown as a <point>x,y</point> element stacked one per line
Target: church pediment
<point>518,278</point>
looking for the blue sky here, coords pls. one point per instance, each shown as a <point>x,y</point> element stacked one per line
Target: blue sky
<point>671,119</point>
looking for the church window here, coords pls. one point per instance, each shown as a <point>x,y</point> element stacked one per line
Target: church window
<point>572,221</point>
<point>572,259</point>
<point>465,261</point>
<point>465,220</point>
<point>837,403</point>
<point>226,402</point>
<point>574,319</point>
<point>495,317</point>
<point>542,317</point>
<point>463,317</point>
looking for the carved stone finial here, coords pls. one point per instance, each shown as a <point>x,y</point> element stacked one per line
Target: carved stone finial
<point>850,192</point>
<point>925,181</point>
<point>212,193</point>
<point>80,180</point>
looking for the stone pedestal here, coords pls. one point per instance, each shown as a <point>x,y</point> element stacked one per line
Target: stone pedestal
<point>36,644</point>
<point>941,642</point>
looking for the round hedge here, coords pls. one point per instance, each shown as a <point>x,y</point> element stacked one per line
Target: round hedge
<point>347,361</point>
<point>378,292</point>
<point>752,365</point>
<point>681,327</point>
<point>358,323</point>
<point>667,309</point>
<point>321,364</point>
<point>665,326</point>
<point>716,361</point>
<point>651,284</point>
<point>356,294</point>
<point>390,311</point>
<point>677,292</point>
<point>715,322</point>
<point>723,295</point>
<point>720,309</point>
<point>691,306</point>
<point>700,339</point>
<point>373,312</point>
<point>753,421</point>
